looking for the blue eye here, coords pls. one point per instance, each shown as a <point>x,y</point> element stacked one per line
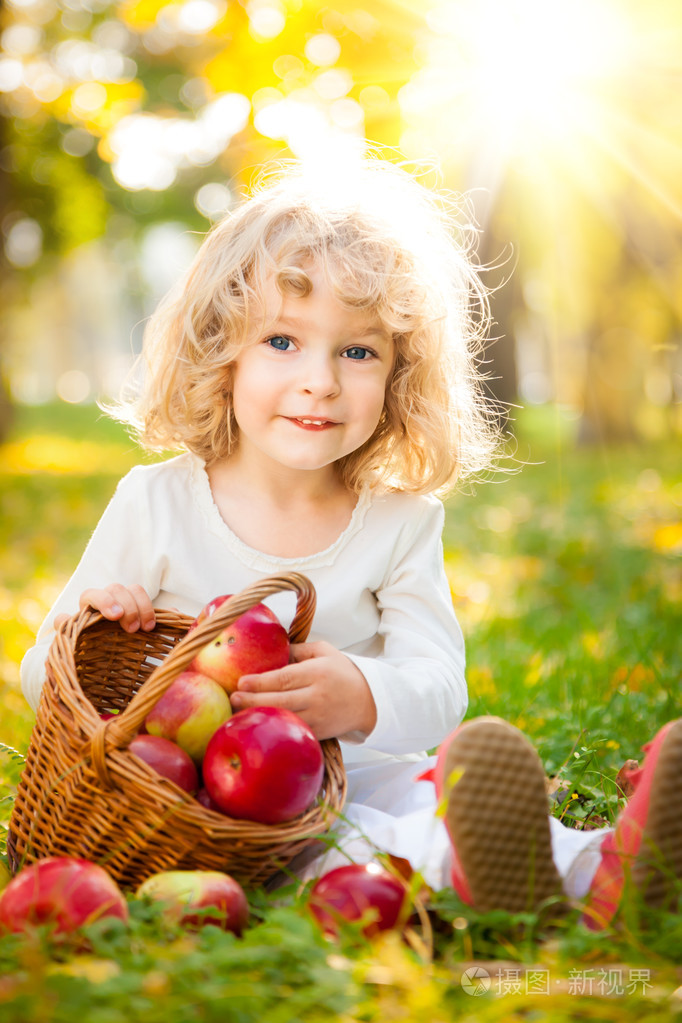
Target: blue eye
<point>358,353</point>
<point>279,342</point>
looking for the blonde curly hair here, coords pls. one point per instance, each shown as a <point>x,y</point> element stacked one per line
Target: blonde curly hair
<point>388,246</point>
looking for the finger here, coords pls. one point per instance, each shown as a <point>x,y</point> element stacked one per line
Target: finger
<point>130,619</point>
<point>102,601</point>
<point>282,679</point>
<point>137,607</point>
<point>306,651</point>
<point>144,606</point>
<point>289,700</point>
<point>116,603</point>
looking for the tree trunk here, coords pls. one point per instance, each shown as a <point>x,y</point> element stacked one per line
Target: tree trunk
<point>634,321</point>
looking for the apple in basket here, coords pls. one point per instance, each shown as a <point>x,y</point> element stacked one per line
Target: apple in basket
<point>167,759</point>
<point>189,712</point>
<point>203,797</point>
<point>363,892</point>
<point>255,642</point>
<point>264,765</point>
<point>60,891</point>
<point>187,892</point>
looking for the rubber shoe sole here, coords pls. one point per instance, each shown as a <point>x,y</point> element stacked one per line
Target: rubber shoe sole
<point>497,816</point>
<point>660,855</point>
<point>645,850</point>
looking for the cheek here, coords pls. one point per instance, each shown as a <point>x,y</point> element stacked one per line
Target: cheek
<point>382,385</point>
<point>372,401</point>
<point>249,384</point>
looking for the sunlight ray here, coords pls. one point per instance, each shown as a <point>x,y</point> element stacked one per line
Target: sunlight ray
<point>651,183</point>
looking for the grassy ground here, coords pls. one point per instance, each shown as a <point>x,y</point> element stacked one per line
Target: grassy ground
<point>566,578</point>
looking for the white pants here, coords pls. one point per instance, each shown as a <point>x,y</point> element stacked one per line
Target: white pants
<point>388,811</point>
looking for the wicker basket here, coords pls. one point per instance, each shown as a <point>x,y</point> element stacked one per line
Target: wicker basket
<point>83,793</point>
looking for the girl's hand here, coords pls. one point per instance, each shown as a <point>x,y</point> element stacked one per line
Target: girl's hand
<point>129,605</point>
<point>321,685</point>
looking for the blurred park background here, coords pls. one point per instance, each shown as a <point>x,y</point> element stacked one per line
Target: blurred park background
<point>128,126</point>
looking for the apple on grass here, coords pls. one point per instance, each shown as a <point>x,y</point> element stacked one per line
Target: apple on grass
<point>61,891</point>
<point>186,892</point>
<point>364,892</point>
<point>255,642</point>
<point>167,759</point>
<point>264,765</point>
<point>189,712</point>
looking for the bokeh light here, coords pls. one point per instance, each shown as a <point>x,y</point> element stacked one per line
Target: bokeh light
<point>323,50</point>
<point>148,150</point>
<point>24,242</point>
<point>198,16</point>
<point>213,199</point>
<point>266,19</point>
<point>73,386</point>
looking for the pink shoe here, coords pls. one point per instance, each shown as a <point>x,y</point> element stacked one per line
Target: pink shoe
<point>646,845</point>
<point>490,783</point>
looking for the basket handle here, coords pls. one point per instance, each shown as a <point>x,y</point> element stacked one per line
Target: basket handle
<point>119,731</point>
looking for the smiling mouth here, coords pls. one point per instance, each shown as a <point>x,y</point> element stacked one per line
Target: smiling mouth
<point>315,424</point>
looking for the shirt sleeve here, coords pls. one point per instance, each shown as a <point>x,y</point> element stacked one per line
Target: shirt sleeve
<point>418,681</point>
<point>118,552</point>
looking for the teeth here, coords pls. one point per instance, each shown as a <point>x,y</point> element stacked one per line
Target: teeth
<point>313,422</point>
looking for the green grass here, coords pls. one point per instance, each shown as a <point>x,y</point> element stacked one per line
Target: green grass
<point>566,579</point>
<point>573,630</point>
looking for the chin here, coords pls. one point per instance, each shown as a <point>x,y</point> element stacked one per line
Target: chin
<point>306,462</point>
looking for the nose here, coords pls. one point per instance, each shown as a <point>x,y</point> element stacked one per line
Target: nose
<point>320,377</point>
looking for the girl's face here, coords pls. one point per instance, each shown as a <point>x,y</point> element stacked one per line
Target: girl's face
<point>311,388</point>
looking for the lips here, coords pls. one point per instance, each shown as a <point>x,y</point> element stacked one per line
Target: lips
<point>310,423</point>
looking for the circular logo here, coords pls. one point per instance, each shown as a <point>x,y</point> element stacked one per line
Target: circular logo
<point>475,981</point>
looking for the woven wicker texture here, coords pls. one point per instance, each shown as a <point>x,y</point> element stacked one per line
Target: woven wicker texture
<point>83,793</point>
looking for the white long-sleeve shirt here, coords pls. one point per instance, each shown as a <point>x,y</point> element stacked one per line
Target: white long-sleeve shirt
<point>382,594</point>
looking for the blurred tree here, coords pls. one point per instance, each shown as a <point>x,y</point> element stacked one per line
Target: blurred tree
<point>633,320</point>
<point>5,206</point>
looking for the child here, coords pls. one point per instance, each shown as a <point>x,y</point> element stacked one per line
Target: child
<point>317,367</point>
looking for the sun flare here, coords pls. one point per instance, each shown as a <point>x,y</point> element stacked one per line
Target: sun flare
<point>564,86</point>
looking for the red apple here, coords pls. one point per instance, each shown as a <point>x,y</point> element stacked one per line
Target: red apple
<point>264,765</point>
<point>359,892</point>
<point>255,642</point>
<point>189,712</point>
<point>203,797</point>
<point>167,759</point>
<point>208,609</point>
<point>61,891</point>
<point>186,891</point>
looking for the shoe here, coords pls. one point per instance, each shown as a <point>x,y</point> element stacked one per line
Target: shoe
<point>490,784</point>
<point>645,848</point>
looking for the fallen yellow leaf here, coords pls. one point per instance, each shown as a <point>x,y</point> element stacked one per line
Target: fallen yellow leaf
<point>669,537</point>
